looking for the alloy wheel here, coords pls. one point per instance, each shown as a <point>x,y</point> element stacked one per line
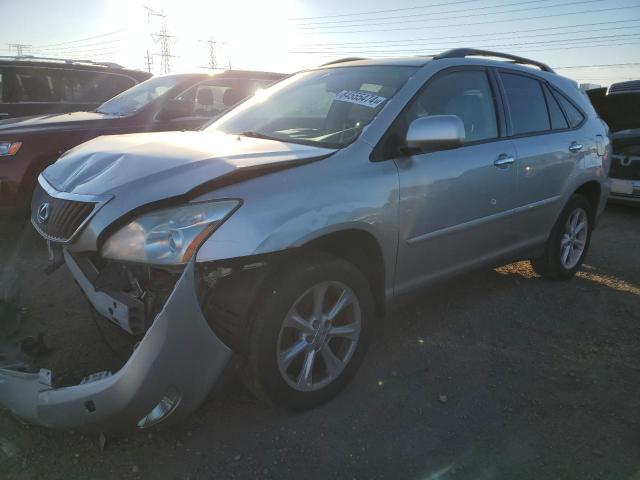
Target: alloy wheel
<point>319,336</point>
<point>574,239</point>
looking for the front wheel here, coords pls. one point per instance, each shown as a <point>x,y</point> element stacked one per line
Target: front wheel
<point>568,243</point>
<point>309,331</point>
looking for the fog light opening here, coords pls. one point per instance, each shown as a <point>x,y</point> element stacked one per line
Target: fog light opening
<point>162,410</point>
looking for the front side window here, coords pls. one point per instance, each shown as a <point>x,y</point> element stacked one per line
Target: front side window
<point>132,100</point>
<point>466,94</point>
<point>328,107</point>
<point>526,103</point>
<point>211,98</point>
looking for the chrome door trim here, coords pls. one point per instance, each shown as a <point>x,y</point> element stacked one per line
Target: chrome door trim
<point>480,221</point>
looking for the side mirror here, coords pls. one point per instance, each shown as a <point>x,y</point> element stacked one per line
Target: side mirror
<point>436,132</point>
<point>175,108</point>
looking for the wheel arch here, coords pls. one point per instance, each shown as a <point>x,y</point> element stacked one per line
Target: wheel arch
<point>363,250</point>
<point>591,191</point>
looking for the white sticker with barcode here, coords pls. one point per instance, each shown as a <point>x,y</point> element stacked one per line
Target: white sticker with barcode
<point>360,98</point>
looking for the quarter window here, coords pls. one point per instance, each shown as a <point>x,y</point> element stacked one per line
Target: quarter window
<point>466,94</point>
<point>558,122</point>
<point>527,106</point>
<point>573,114</point>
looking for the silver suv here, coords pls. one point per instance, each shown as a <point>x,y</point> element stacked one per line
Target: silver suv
<point>279,233</point>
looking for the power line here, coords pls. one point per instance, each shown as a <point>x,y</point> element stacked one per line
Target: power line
<point>484,22</point>
<point>371,12</point>
<point>493,34</point>
<point>83,39</point>
<point>430,14</point>
<point>416,48</point>
<point>607,65</point>
<point>75,47</point>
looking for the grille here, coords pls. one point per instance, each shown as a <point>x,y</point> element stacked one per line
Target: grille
<point>632,86</point>
<point>64,217</point>
<point>625,167</point>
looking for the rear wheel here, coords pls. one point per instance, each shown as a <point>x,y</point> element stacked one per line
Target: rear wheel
<point>568,243</point>
<point>309,331</point>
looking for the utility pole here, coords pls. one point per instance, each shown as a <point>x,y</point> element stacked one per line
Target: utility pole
<point>19,48</point>
<point>149,61</point>
<point>163,39</point>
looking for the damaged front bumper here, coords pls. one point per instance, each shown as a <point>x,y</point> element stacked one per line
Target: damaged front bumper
<point>169,374</point>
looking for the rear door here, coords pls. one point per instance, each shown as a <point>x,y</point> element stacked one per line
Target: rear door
<point>455,204</point>
<point>548,146</point>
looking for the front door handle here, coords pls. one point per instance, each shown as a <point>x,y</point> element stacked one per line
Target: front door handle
<point>504,161</point>
<point>575,147</point>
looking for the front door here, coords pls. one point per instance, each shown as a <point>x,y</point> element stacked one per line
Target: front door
<point>455,205</point>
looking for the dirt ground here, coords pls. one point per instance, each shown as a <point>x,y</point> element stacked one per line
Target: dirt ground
<point>495,375</point>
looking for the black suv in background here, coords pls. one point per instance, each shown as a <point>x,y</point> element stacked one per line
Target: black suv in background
<point>33,86</point>
<point>619,107</point>
<point>182,101</point>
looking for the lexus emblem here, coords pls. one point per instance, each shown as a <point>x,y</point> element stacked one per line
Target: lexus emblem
<point>43,213</point>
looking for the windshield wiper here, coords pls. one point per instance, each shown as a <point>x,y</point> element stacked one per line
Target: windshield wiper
<point>253,134</point>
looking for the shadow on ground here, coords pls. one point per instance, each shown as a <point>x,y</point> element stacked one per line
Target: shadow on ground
<point>494,375</point>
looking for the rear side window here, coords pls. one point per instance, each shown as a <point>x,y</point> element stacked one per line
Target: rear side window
<point>558,122</point>
<point>574,115</point>
<point>92,87</point>
<point>36,85</point>
<point>526,103</point>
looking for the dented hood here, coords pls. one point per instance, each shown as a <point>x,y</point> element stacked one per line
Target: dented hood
<point>172,162</point>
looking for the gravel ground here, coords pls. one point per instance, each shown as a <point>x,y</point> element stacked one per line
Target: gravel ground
<point>494,375</point>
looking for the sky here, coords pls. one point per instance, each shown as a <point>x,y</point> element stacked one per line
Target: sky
<point>591,41</point>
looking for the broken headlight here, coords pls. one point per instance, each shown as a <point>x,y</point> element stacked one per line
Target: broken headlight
<point>169,236</point>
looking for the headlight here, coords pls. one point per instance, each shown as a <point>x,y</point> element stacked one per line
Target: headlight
<point>9,148</point>
<point>168,236</point>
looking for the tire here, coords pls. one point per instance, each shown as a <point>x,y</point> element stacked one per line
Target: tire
<point>552,264</point>
<point>278,354</point>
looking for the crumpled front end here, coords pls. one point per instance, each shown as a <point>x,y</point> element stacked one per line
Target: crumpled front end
<point>170,372</point>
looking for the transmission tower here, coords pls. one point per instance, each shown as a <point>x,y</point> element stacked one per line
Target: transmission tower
<point>149,61</point>
<point>163,39</point>
<point>19,48</point>
<point>212,47</point>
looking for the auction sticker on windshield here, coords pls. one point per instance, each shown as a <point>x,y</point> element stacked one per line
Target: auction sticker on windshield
<point>360,98</point>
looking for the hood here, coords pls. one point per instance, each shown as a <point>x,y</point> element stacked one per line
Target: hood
<point>167,163</point>
<point>53,121</point>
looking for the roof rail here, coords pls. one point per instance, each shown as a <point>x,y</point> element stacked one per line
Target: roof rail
<point>35,58</point>
<point>472,52</point>
<point>342,60</point>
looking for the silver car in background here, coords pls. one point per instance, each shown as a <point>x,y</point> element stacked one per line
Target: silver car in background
<point>282,231</point>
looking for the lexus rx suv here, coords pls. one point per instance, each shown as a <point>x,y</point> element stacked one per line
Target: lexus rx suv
<point>280,233</point>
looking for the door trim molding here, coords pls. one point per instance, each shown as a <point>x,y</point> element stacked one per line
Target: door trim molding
<point>481,220</point>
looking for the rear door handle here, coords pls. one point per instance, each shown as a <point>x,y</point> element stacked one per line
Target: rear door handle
<point>504,161</point>
<point>575,147</point>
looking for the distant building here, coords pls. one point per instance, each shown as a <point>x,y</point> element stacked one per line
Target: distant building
<point>588,86</point>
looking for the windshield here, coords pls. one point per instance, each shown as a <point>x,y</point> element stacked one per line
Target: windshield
<point>132,100</point>
<point>328,107</point>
